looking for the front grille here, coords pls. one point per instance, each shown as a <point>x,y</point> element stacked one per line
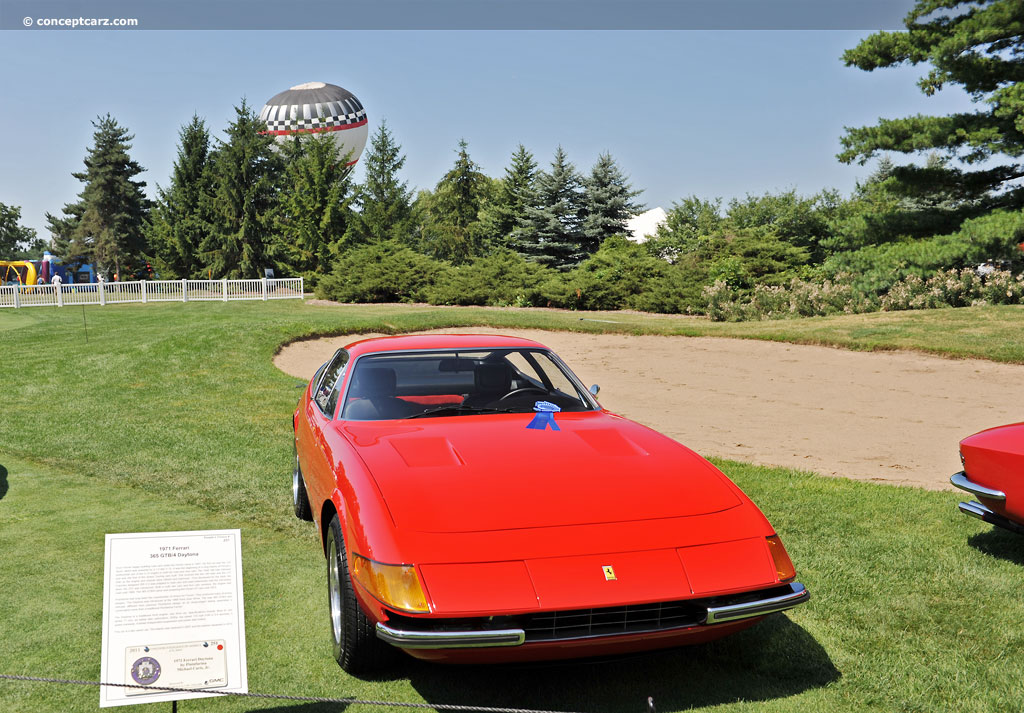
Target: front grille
<point>571,624</point>
<point>610,621</point>
<point>583,623</point>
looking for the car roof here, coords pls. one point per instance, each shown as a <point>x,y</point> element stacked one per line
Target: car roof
<point>410,342</point>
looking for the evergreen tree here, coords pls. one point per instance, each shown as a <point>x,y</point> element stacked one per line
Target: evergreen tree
<point>607,202</point>
<point>383,200</point>
<point>517,191</point>
<point>315,210</point>
<point>106,225</point>
<point>16,241</point>
<point>552,233</point>
<point>978,45</point>
<point>62,229</point>
<point>453,230</point>
<point>246,183</point>
<point>181,216</point>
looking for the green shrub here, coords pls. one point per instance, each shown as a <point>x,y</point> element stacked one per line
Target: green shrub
<point>382,272</point>
<point>499,279</point>
<point>624,275</point>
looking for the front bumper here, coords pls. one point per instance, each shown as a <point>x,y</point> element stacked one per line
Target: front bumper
<point>707,613</point>
<point>960,480</point>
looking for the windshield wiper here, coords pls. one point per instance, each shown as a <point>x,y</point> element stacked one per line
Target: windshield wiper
<point>457,409</point>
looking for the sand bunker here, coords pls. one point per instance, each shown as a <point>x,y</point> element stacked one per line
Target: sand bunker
<point>893,417</point>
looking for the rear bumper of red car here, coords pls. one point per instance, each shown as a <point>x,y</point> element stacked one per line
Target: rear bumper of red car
<point>602,627</point>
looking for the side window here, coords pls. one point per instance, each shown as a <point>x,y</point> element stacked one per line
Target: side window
<point>327,389</point>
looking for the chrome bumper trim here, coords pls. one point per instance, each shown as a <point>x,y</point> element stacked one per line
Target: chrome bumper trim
<point>449,639</point>
<point>974,510</point>
<point>798,594</point>
<point>960,480</point>
<point>985,515</point>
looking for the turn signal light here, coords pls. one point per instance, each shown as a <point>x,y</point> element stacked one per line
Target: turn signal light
<point>394,585</point>
<point>783,564</point>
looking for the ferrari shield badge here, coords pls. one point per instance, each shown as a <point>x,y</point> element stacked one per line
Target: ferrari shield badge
<point>609,573</point>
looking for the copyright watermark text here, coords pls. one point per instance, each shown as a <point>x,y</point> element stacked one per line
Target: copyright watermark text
<point>76,22</point>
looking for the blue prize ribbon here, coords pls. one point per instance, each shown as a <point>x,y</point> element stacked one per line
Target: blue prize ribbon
<point>545,416</point>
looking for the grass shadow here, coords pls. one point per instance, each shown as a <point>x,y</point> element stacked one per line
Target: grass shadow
<point>775,659</point>
<point>1000,543</point>
<point>4,487</point>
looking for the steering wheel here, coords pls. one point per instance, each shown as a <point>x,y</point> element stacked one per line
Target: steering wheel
<point>523,390</point>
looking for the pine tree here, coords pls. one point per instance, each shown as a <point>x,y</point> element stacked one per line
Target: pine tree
<point>608,203</point>
<point>246,183</point>
<point>181,216</point>
<point>976,44</point>
<point>315,207</point>
<point>384,201</point>
<point>552,232</point>
<point>517,191</point>
<point>106,225</point>
<point>62,229</point>
<point>452,231</point>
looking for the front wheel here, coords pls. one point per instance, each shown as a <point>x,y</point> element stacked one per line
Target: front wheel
<point>356,646</point>
<point>300,500</point>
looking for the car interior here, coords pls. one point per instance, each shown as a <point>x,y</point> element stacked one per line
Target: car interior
<point>410,385</point>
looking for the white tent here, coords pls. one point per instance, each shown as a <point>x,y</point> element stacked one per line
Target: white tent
<point>643,226</point>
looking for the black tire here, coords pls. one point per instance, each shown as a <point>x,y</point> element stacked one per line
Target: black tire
<point>300,501</point>
<point>353,637</point>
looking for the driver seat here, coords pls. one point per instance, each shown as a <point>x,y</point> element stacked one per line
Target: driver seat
<point>491,381</point>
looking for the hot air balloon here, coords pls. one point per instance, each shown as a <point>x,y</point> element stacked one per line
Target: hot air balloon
<point>317,107</point>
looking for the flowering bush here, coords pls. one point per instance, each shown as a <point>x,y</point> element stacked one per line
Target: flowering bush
<point>953,288</point>
<point>800,298</point>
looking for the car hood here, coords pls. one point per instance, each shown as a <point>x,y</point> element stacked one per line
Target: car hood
<point>490,473</point>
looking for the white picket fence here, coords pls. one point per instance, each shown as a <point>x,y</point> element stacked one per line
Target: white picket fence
<point>145,291</point>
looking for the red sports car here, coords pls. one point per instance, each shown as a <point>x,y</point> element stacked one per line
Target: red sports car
<point>476,504</point>
<point>993,462</point>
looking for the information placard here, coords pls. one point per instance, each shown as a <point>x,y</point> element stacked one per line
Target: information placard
<point>173,616</point>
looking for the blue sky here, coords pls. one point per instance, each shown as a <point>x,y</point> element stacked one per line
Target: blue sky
<point>711,113</point>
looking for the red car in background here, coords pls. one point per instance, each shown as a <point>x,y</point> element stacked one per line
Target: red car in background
<point>993,466</point>
<point>476,504</point>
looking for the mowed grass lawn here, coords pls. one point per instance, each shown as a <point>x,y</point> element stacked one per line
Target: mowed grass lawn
<point>173,417</point>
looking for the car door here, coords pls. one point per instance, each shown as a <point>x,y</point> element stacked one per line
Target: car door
<point>319,464</point>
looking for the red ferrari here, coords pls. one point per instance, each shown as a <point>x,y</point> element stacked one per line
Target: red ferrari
<point>476,504</point>
<point>993,461</point>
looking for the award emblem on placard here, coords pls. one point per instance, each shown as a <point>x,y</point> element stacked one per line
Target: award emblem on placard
<point>146,671</point>
<point>189,664</point>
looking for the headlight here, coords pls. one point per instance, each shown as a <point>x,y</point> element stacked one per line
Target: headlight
<point>394,585</point>
<point>783,564</point>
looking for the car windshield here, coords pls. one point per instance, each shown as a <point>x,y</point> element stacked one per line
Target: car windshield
<point>454,383</point>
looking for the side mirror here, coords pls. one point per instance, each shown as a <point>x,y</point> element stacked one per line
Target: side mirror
<point>594,390</point>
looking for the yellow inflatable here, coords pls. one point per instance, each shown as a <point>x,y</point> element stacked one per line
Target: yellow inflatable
<point>17,272</point>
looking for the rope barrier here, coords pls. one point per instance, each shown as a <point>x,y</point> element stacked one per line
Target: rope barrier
<point>281,697</point>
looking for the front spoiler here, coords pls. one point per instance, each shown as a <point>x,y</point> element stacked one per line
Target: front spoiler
<point>722,614</point>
